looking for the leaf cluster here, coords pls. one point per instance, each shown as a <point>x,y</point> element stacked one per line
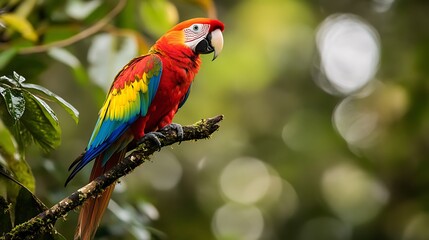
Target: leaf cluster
<point>26,118</point>
<point>25,112</point>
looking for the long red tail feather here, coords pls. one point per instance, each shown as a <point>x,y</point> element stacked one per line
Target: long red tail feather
<point>92,211</point>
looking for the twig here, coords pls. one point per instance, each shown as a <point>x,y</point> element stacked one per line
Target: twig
<point>81,35</point>
<point>43,222</point>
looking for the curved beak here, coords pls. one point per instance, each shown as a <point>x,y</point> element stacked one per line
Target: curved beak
<point>216,41</point>
<point>212,43</point>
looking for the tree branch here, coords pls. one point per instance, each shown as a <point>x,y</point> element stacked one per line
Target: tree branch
<point>44,221</point>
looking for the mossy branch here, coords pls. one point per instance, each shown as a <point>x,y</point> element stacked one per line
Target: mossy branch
<point>44,222</point>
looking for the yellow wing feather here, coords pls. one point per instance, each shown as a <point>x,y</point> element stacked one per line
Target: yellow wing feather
<point>121,103</point>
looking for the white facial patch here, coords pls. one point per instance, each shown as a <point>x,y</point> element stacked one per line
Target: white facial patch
<point>195,33</point>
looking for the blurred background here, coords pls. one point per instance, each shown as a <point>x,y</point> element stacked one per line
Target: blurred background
<point>326,130</point>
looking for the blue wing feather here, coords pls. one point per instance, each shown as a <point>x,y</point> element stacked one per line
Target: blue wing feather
<point>110,125</point>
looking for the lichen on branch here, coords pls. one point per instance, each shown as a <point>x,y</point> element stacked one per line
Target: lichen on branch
<point>44,221</point>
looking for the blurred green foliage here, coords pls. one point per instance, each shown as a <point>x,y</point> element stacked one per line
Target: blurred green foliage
<point>297,157</point>
<point>25,119</point>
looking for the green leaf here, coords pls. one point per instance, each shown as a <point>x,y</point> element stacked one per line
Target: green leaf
<point>15,102</point>
<point>30,117</point>
<point>11,180</point>
<point>23,207</point>
<point>6,56</point>
<point>22,173</point>
<point>40,122</point>
<point>74,113</point>
<point>9,187</point>
<point>27,206</point>
<point>4,173</point>
<point>19,24</point>
<point>16,163</point>
<point>9,81</point>
<point>7,142</point>
<point>47,110</point>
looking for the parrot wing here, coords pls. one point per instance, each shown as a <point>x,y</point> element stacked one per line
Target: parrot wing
<point>129,97</point>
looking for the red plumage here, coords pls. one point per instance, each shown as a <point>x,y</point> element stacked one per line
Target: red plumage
<point>165,76</point>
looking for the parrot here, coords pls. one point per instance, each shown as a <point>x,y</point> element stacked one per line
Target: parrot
<point>144,97</point>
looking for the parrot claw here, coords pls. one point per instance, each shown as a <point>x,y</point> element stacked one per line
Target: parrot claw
<point>154,136</point>
<point>179,130</point>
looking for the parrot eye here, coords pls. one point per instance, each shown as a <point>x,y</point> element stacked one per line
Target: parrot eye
<point>196,28</point>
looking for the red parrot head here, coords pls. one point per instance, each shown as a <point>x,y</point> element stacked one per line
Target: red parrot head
<point>201,35</point>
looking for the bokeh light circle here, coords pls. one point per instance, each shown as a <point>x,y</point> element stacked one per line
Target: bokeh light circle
<point>235,221</point>
<point>355,122</point>
<point>349,51</point>
<point>354,195</point>
<point>245,180</point>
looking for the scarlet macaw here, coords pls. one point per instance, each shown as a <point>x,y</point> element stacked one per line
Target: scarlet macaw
<point>144,97</point>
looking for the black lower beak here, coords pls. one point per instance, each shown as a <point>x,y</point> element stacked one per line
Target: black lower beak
<point>204,46</point>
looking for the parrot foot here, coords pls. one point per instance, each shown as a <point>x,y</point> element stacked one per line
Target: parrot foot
<point>179,130</point>
<point>154,136</point>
